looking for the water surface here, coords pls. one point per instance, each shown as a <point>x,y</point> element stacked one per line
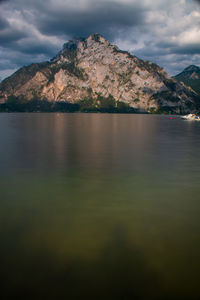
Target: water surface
<point>99,206</point>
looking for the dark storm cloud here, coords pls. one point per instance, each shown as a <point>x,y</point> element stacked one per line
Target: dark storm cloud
<point>187,49</point>
<point>41,47</point>
<point>34,30</point>
<point>9,37</point>
<point>13,59</point>
<point>169,48</point>
<point>3,24</point>
<point>107,18</point>
<point>39,22</point>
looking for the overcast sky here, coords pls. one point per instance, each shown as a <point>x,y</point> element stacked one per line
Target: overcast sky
<point>163,31</point>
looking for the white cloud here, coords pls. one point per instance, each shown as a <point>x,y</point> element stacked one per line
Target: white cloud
<point>191,36</point>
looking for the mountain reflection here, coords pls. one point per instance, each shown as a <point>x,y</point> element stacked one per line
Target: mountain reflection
<point>83,141</point>
<point>93,142</point>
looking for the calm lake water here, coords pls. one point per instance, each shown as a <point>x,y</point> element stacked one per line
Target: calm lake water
<point>99,206</point>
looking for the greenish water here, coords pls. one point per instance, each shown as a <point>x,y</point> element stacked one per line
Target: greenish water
<point>99,206</point>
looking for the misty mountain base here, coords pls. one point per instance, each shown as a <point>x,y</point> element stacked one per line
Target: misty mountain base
<point>90,74</point>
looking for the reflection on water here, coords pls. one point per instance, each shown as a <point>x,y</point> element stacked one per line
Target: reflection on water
<point>99,206</point>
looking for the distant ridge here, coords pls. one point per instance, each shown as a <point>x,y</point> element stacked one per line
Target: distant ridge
<point>93,73</point>
<point>191,77</point>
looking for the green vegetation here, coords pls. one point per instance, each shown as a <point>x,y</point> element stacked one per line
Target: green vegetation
<point>87,105</point>
<point>136,100</point>
<point>73,69</point>
<point>105,105</point>
<point>100,104</point>
<point>124,107</point>
<point>124,78</point>
<point>166,95</point>
<point>117,50</point>
<point>70,67</point>
<point>153,110</point>
<point>170,84</point>
<point>96,37</point>
<point>20,104</point>
<point>70,50</point>
<point>107,77</point>
<point>164,110</point>
<point>193,83</point>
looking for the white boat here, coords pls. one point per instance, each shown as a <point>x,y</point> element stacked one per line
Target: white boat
<point>191,117</point>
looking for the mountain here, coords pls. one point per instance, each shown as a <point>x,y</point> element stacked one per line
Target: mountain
<point>93,70</point>
<point>191,77</point>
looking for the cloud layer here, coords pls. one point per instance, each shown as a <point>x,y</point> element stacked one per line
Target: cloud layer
<point>165,32</point>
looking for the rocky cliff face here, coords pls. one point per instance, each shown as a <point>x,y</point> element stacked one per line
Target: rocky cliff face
<point>92,67</point>
<point>191,77</point>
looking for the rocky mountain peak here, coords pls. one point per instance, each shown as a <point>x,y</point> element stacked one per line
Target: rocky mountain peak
<point>92,68</point>
<point>73,44</point>
<point>98,38</point>
<point>95,37</point>
<point>72,47</point>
